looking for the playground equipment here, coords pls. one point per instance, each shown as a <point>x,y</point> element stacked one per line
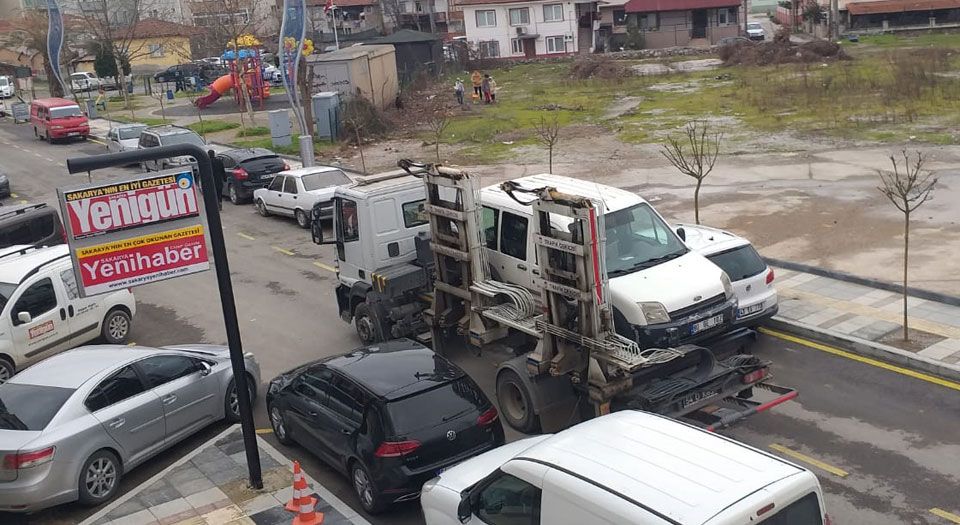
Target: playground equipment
<point>246,72</point>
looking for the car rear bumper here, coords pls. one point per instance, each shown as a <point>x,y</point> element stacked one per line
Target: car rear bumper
<point>759,318</point>
<point>33,491</point>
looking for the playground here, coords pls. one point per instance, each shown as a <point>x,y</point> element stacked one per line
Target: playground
<point>245,78</point>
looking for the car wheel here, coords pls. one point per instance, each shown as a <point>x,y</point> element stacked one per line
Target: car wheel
<point>365,489</point>
<point>369,329</point>
<point>231,405</point>
<point>515,403</point>
<point>99,478</point>
<point>302,219</point>
<point>279,426</point>
<point>262,208</point>
<point>233,194</point>
<point>46,137</point>
<point>116,327</point>
<point>36,134</point>
<point>6,370</point>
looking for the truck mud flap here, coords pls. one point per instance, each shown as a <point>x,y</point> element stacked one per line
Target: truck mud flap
<point>726,412</point>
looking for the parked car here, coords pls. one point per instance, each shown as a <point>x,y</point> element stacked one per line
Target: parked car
<point>6,87</point>
<point>625,467</point>
<point>249,169</point>
<point>755,31</point>
<point>167,135</point>
<point>750,276</point>
<point>272,75</point>
<point>41,313</point>
<point>207,72</point>
<point>84,81</point>
<point>733,41</point>
<point>389,416</point>
<point>124,137</point>
<point>294,193</point>
<point>58,118</point>
<point>74,424</point>
<point>30,225</point>
<point>4,184</point>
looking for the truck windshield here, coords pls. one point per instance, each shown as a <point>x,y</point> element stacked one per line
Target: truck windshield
<point>637,238</point>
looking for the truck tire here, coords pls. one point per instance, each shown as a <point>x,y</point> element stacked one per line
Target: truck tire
<point>367,322</point>
<point>516,404</point>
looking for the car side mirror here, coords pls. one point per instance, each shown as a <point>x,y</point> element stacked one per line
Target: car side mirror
<point>465,508</point>
<point>682,234</point>
<point>24,317</point>
<point>205,368</point>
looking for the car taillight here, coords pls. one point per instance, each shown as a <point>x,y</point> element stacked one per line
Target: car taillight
<point>770,276</point>
<point>488,417</point>
<point>240,173</point>
<point>286,167</point>
<point>396,449</point>
<point>28,459</point>
<point>754,376</point>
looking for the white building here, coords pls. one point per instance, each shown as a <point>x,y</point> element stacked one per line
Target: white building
<point>517,29</point>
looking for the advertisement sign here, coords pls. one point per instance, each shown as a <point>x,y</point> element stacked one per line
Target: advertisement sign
<point>134,231</point>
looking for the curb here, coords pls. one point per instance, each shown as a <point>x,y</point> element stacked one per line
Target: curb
<point>867,348</point>
<point>920,293</point>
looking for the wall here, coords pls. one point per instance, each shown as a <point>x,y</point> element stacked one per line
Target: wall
<point>376,78</point>
<point>504,32</point>
<point>606,19</point>
<point>675,29</point>
<point>176,50</point>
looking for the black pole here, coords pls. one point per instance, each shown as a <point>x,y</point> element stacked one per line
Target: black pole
<point>95,162</point>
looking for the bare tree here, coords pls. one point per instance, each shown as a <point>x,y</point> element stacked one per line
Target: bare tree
<point>907,187</point>
<point>695,156</point>
<point>30,32</point>
<point>437,121</point>
<point>354,119</point>
<point>548,133</point>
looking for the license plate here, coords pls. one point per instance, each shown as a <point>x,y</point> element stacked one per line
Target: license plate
<point>73,134</point>
<point>697,397</point>
<point>706,324</point>
<point>743,312</point>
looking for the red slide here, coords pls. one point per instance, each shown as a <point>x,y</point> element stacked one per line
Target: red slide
<point>217,89</point>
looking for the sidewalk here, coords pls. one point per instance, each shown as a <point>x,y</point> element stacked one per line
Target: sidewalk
<point>209,487</point>
<point>869,321</point>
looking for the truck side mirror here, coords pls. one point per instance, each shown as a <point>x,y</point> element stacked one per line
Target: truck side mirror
<point>24,317</point>
<point>682,233</point>
<point>316,226</point>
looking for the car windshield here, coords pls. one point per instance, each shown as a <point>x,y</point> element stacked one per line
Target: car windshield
<point>65,111</point>
<point>182,138</point>
<point>3,81</point>
<point>316,181</point>
<point>739,263</point>
<point>637,238</point>
<point>754,26</point>
<point>30,407</point>
<point>435,406</point>
<point>6,290</point>
<point>131,133</point>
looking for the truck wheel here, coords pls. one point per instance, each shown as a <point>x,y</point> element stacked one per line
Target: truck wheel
<point>516,405</point>
<point>369,329</point>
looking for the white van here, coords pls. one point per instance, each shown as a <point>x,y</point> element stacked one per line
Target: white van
<point>628,467</point>
<point>41,312</point>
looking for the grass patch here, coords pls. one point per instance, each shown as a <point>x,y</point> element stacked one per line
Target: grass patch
<point>150,121</point>
<point>212,126</point>
<point>257,131</point>
<point>893,40</point>
<point>319,148</point>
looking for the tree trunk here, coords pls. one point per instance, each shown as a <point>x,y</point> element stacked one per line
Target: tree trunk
<point>122,85</point>
<point>550,157</point>
<point>363,163</point>
<point>906,254</point>
<point>438,148</point>
<point>696,201</point>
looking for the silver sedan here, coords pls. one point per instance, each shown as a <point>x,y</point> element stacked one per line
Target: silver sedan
<point>71,425</point>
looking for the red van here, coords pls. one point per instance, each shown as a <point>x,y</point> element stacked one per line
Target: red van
<point>58,118</point>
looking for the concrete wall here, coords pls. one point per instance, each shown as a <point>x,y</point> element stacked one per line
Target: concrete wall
<point>504,33</point>
<point>374,77</point>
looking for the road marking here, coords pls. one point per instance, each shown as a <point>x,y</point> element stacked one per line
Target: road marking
<point>97,141</point>
<point>326,267</point>
<point>809,460</point>
<point>247,237</point>
<point>131,343</point>
<point>866,360</point>
<point>14,195</point>
<point>22,201</point>
<point>264,431</point>
<point>945,514</point>
<point>61,165</point>
<point>283,250</point>
<point>48,159</point>
<point>39,156</point>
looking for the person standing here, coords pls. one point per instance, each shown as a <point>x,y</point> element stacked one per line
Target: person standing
<point>477,79</point>
<point>219,174</point>
<point>458,91</point>
<point>485,87</point>
<point>493,91</point>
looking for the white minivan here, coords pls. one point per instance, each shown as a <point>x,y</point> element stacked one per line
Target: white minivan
<point>628,467</point>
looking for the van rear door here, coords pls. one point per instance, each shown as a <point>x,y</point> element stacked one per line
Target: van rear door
<point>794,500</point>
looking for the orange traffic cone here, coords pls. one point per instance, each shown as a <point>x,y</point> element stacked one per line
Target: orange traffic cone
<point>300,495</point>
<point>308,514</point>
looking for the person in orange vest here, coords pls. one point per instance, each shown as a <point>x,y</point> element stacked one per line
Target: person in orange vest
<point>477,80</point>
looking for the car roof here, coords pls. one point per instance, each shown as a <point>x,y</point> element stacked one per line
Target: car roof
<point>17,209</point>
<point>300,172</point>
<point>53,102</point>
<point>396,369</point>
<point>613,199</point>
<point>385,182</point>
<point>73,368</point>
<point>709,241</point>
<point>130,125</point>
<point>169,129</point>
<point>14,268</point>
<point>241,154</point>
<point>675,469</point>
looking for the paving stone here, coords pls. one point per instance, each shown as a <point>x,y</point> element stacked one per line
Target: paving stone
<point>260,503</point>
<point>206,497</point>
<point>159,492</point>
<point>231,447</point>
<point>184,474</point>
<point>225,476</point>
<point>177,506</point>
<point>125,509</point>
<point>189,488</point>
<point>218,465</point>
<point>875,331</point>
<point>273,516</point>
<point>836,320</point>
<point>938,351</point>
<point>143,517</point>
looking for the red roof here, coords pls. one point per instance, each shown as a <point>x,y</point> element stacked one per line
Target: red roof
<point>899,6</point>
<point>650,6</point>
<point>485,2</point>
<point>341,3</point>
<point>155,28</point>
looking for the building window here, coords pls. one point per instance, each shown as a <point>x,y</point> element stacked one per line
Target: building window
<point>619,17</point>
<point>489,48</point>
<point>517,46</point>
<point>404,7</point>
<point>553,13</point>
<point>519,16</point>
<point>487,18</point>
<point>727,16</point>
<point>648,21</point>
<point>555,44</point>
<point>418,7</point>
<point>155,50</point>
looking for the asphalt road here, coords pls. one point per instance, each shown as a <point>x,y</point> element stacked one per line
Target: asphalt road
<point>884,445</point>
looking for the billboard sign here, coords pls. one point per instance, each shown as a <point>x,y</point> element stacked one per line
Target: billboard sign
<point>134,231</point>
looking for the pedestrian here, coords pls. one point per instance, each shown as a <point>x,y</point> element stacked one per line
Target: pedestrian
<point>477,79</point>
<point>493,91</point>
<point>178,80</point>
<point>485,87</point>
<point>219,174</point>
<point>458,91</point>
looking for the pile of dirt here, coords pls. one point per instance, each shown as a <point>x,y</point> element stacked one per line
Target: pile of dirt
<point>597,67</point>
<point>781,52</point>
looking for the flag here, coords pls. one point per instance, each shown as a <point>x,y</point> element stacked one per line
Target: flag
<point>328,6</point>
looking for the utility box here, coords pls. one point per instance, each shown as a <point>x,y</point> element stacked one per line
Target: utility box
<point>92,109</point>
<point>326,115</point>
<point>279,127</point>
<point>369,71</point>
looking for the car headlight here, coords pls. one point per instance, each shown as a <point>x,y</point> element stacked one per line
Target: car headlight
<point>428,486</point>
<point>727,287</point>
<point>654,313</point>
<point>56,127</point>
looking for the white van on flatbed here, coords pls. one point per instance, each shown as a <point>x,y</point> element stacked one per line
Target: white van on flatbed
<point>628,467</point>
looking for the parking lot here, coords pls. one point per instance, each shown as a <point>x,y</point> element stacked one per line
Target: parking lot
<point>883,444</point>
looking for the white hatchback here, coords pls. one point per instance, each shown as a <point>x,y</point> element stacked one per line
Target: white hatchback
<point>752,279</point>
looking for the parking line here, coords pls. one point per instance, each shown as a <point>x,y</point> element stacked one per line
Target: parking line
<point>264,431</point>
<point>283,250</point>
<point>22,201</point>
<point>247,237</point>
<point>945,515</point>
<point>14,195</point>
<point>39,156</point>
<point>48,159</point>
<point>97,141</point>
<point>809,460</point>
<point>866,360</point>
<point>132,343</point>
<point>326,267</point>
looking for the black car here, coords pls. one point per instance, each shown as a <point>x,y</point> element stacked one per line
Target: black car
<point>30,224</point>
<point>247,170</point>
<point>207,72</point>
<point>4,185</point>
<point>390,416</point>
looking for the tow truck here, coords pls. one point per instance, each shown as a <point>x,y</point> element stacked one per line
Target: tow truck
<point>412,258</point>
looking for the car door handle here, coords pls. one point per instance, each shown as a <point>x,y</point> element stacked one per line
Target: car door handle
<point>169,399</point>
<point>70,310</point>
<point>522,267</point>
<point>536,272</point>
<point>312,413</point>
<point>346,431</point>
<point>63,314</point>
<point>117,423</point>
